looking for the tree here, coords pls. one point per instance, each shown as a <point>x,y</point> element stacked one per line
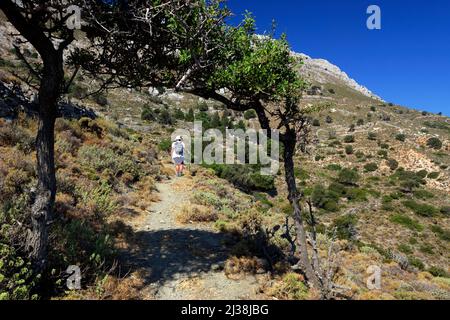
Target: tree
<point>129,44</point>
<point>260,74</point>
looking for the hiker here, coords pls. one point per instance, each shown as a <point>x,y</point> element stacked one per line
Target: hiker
<point>178,148</point>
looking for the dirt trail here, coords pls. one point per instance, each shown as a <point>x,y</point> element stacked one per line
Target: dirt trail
<point>184,261</point>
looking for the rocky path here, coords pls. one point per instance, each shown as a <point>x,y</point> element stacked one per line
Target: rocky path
<point>184,261</point>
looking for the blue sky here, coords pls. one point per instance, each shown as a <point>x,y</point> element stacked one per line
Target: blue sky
<point>406,62</point>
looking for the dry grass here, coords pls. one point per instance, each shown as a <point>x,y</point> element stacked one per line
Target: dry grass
<point>191,213</point>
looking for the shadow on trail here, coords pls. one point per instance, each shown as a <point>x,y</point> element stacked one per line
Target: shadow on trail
<point>174,253</point>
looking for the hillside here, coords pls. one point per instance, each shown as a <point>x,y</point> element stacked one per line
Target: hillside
<point>376,172</point>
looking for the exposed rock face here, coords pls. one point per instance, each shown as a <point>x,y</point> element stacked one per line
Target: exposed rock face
<point>324,72</point>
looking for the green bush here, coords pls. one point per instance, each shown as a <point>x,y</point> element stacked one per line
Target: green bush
<point>101,159</point>
<point>324,199</point>
<point>372,136</point>
<point>190,115</point>
<point>434,143</point>
<point>400,137</point>
<point>165,145</point>
<point>422,209</point>
<point>383,153</point>
<point>334,167</point>
<point>316,123</point>
<point>360,122</point>
<point>392,164</point>
<point>406,249</point>
<point>349,150</point>
<point>349,139</point>
<point>441,233</point>
<point>438,272</point>
<point>416,262</point>
<point>247,178</point>
<point>345,226</point>
<point>433,175</point>
<point>371,167</point>
<point>148,114</point>
<point>356,194</point>
<point>422,174</point>
<point>406,222</point>
<point>423,194</point>
<point>203,107</point>
<point>348,176</point>
<point>17,280</point>
<point>250,114</point>
<point>445,210</point>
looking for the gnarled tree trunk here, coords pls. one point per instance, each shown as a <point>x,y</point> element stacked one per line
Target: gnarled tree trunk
<point>42,209</point>
<point>305,263</point>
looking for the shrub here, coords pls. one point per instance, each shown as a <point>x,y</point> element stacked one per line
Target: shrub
<point>178,114</point>
<point>101,159</point>
<point>445,210</point>
<point>371,167</point>
<point>247,178</point>
<point>356,194</point>
<point>196,213</point>
<point>422,174</point>
<point>384,146</point>
<point>400,137</point>
<point>406,249</point>
<point>352,128</point>
<point>250,114</point>
<point>382,153</point>
<point>434,143</point>
<point>433,175</point>
<point>348,176</point>
<point>424,210</point>
<point>406,222</point>
<point>408,180</point>
<point>345,226</point>
<point>101,99</point>
<point>17,280</point>
<point>329,119</point>
<point>423,194</point>
<point>203,107</point>
<point>373,108</point>
<point>392,164</point>
<point>334,167</point>
<point>148,114</point>
<point>165,117</point>
<point>349,139</point>
<point>316,123</point>
<point>416,262</point>
<point>441,233</point>
<point>360,122</point>
<point>372,136</point>
<point>165,145</point>
<point>324,199</point>
<point>438,272</point>
<point>190,115</point>
<point>427,248</point>
<point>349,150</point>
<point>290,288</point>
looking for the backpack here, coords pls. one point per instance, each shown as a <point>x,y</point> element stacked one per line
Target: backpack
<point>178,147</point>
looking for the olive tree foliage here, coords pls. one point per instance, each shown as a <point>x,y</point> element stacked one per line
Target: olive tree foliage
<point>128,43</point>
<point>259,72</point>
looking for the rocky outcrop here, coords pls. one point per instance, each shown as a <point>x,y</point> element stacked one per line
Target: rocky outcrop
<point>323,72</point>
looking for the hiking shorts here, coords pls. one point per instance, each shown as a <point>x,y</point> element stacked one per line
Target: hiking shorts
<point>178,160</point>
